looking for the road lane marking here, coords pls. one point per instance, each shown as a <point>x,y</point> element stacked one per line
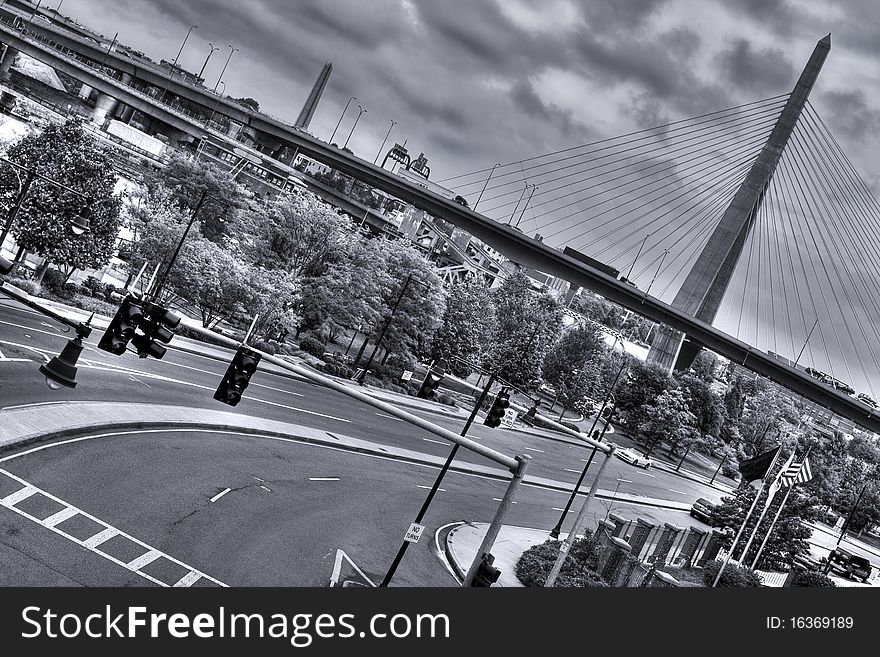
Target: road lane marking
<point>498,499</point>
<point>558,509</point>
<point>18,496</point>
<point>570,470</point>
<point>188,580</point>
<point>672,490</point>
<point>645,474</point>
<point>532,449</point>
<point>9,408</point>
<point>146,558</point>
<point>93,542</point>
<point>219,495</point>
<point>323,478</point>
<point>269,490</point>
<point>442,490</point>
<point>624,481</point>
<point>136,380</point>
<point>429,440</point>
<point>390,417</point>
<point>61,516</point>
<point>337,567</point>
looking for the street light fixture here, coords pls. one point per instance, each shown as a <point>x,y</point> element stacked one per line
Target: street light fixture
<point>393,123</point>
<point>174,63</point>
<point>486,184</point>
<point>518,202</point>
<point>213,50</point>
<point>341,116</point>
<point>233,50</point>
<point>361,110</point>
<point>60,372</point>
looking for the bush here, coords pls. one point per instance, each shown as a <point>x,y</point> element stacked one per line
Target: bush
<point>97,306</point>
<point>812,578</point>
<point>536,563</point>
<point>264,346</point>
<point>312,345</point>
<point>31,287</point>
<point>733,575</point>
<point>93,286</point>
<point>443,398</point>
<point>53,281</point>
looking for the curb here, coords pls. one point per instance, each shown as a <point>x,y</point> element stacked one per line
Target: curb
<point>447,549</point>
<point>374,450</point>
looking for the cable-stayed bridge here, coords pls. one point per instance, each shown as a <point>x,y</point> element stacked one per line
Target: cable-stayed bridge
<point>798,266</point>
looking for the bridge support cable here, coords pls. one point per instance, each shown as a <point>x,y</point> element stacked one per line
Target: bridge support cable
<point>861,205</point>
<point>805,233</point>
<point>818,229</point>
<point>678,160</point>
<point>700,214</point>
<point>698,240</point>
<point>646,133</point>
<point>747,154</point>
<point>650,200</point>
<point>702,142</point>
<point>831,199</point>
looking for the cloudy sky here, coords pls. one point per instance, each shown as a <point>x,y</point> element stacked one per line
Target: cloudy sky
<point>475,82</point>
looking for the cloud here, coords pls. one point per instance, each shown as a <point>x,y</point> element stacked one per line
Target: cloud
<point>764,72</point>
<point>851,115</point>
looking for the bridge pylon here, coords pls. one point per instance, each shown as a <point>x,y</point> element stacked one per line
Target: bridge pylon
<point>703,290</point>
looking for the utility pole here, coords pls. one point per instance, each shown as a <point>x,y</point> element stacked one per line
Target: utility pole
<point>436,486</point>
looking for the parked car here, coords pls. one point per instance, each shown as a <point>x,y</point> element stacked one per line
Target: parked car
<point>702,509</point>
<point>850,565</point>
<point>631,456</point>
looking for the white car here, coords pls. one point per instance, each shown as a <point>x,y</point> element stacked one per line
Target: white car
<point>630,456</point>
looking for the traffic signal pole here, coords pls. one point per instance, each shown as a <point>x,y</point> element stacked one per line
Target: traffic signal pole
<point>440,475</point>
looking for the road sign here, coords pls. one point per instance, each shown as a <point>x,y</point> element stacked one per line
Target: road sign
<point>510,416</point>
<point>406,376</point>
<point>414,533</point>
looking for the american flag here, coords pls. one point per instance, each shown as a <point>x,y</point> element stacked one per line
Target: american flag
<point>796,473</point>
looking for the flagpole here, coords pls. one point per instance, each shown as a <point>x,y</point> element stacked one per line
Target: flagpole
<point>743,526</point>
<point>779,510</point>
<point>757,524</point>
<point>771,494</point>
<point>772,524</point>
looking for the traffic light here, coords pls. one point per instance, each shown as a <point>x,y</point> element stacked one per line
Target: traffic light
<point>122,327</point>
<point>237,376</point>
<point>487,574</point>
<point>432,380</point>
<point>499,407</point>
<point>158,326</point>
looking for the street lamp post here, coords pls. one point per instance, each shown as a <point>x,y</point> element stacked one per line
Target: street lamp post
<point>189,224</point>
<point>518,202</point>
<point>393,122</point>
<point>486,184</point>
<point>213,50</point>
<point>341,116</point>
<point>525,207</point>
<point>217,102</point>
<point>554,534</point>
<point>361,110</point>
<point>850,515</point>
<point>718,469</point>
<point>174,63</point>
<point>231,52</point>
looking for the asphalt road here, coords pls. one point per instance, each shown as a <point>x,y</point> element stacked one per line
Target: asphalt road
<point>244,510</point>
<point>185,379</point>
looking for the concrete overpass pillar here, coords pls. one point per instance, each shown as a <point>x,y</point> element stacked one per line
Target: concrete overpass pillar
<point>85,91</point>
<point>8,60</point>
<point>104,106</point>
<point>124,113</point>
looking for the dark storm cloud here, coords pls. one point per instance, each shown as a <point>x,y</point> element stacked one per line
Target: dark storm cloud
<point>849,113</point>
<point>782,16</point>
<point>764,72</point>
<point>615,16</point>
<point>524,97</point>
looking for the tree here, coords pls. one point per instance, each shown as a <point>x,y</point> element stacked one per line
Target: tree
<point>644,383</point>
<point>573,365</point>
<point>667,419</point>
<point>526,324</point>
<point>705,366</point>
<point>248,102</point>
<point>466,326</point>
<point>703,403</point>
<point>187,179</point>
<point>790,534</point>
<point>65,153</point>
<point>297,233</point>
